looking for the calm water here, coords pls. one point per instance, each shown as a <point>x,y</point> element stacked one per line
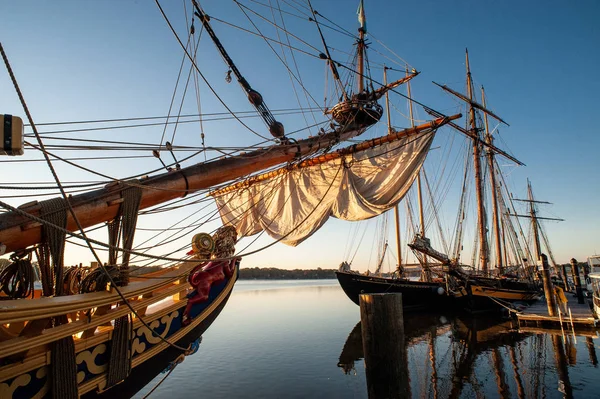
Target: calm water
<point>298,339</point>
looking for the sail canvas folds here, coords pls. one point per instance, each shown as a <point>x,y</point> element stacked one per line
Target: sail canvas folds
<point>293,205</point>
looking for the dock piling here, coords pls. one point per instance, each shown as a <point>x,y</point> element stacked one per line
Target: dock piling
<point>577,281</point>
<point>548,289</point>
<point>386,362</point>
<point>565,279</point>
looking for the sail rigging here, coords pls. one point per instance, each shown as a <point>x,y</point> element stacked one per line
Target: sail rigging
<point>358,183</point>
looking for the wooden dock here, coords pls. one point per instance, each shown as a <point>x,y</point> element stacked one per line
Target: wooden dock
<point>537,315</point>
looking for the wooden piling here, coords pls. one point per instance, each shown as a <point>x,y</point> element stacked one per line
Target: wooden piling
<point>386,363</point>
<point>577,281</point>
<point>565,278</point>
<point>591,350</point>
<point>548,289</point>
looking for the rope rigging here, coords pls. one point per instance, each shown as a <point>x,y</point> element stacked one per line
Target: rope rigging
<point>275,128</point>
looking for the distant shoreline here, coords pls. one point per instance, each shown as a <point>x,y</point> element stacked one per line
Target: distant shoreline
<point>272,273</point>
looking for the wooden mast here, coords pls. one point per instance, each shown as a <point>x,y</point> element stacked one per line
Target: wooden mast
<point>491,165</point>
<point>18,231</point>
<point>361,47</point>
<point>534,222</point>
<point>399,268</point>
<point>419,191</point>
<point>483,250</point>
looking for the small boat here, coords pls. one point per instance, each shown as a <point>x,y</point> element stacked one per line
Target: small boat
<point>595,290</point>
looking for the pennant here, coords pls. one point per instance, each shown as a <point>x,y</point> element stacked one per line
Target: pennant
<point>361,16</point>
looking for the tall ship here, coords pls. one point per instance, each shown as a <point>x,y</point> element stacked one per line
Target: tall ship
<point>162,213</point>
<point>430,290</point>
<point>489,283</point>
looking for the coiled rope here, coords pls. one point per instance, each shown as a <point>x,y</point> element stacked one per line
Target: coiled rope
<point>16,279</point>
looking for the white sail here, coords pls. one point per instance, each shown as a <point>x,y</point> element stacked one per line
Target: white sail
<point>294,205</point>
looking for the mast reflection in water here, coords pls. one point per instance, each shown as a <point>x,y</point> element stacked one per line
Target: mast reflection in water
<point>300,339</point>
<point>454,356</point>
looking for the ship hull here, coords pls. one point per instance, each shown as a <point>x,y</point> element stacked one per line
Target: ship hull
<point>486,294</point>
<point>150,353</point>
<point>147,371</point>
<point>416,295</point>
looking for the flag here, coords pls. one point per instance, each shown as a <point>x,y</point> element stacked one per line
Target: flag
<point>361,16</point>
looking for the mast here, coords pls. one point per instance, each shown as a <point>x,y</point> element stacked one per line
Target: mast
<point>396,211</point>
<point>534,219</point>
<point>483,249</point>
<point>491,165</point>
<point>534,222</point>
<point>419,190</point>
<point>361,46</point>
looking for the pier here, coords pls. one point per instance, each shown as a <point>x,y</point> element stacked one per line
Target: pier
<point>537,315</point>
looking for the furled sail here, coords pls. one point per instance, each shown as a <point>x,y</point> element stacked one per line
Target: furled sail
<point>293,205</point>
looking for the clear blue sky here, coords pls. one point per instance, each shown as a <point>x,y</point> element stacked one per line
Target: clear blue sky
<point>538,61</point>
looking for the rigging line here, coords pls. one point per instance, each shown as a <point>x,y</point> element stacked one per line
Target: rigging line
<point>435,212</point>
<point>41,194</point>
<point>334,70</point>
<point>74,147</point>
<point>197,90</point>
<point>290,72</point>
<point>72,211</point>
<point>209,219</point>
<point>268,38</point>
<point>306,94</point>
<point>371,80</point>
<point>164,241</point>
<point>126,181</point>
<point>94,241</point>
<point>271,195</point>
<point>204,78</point>
<point>201,119</point>
<point>303,18</point>
<point>379,65</point>
<point>170,206</point>
<point>302,222</point>
<point>170,228</point>
<point>174,92</point>
<point>37,187</point>
<point>298,3</point>
<point>186,86</point>
<point>340,29</point>
<point>147,118</point>
<point>390,50</point>
<point>124,143</point>
<point>81,158</point>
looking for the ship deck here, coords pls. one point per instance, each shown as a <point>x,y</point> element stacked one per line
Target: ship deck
<point>537,315</point>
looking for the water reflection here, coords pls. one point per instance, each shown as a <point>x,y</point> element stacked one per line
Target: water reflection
<point>451,357</point>
<point>283,339</point>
